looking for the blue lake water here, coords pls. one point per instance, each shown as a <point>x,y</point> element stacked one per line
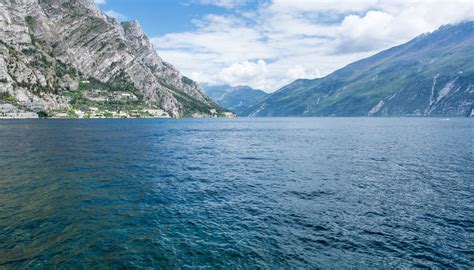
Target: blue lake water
<point>237,193</point>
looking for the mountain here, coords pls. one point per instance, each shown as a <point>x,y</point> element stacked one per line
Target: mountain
<point>431,75</point>
<point>66,57</point>
<point>237,99</point>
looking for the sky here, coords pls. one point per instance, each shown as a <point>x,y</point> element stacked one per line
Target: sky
<point>269,43</point>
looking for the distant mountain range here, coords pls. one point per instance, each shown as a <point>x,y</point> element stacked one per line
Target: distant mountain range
<point>431,75</point>
<point>239,99</point>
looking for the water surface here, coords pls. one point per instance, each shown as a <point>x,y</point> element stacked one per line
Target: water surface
<point>237,193</point>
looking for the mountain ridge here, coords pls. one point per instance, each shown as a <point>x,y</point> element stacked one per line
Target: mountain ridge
<point>430,75</point>
<point>68,57</point>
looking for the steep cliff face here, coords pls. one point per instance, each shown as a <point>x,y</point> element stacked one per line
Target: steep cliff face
<point>431,75</point>
<point>63,55</point>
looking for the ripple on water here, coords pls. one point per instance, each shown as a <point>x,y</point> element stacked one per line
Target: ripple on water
<point>249,193</point>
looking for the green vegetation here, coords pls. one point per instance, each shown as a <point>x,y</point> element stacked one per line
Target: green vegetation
<point>12,51</point>
<point>33,38</point>
<point>91,25</point>
<point>125,25</point>
<point>40,61</point>
<point>103,44</point>
<point>190,104</point>
<point>7,97</point>
<point>120,83</point>
<point>122,46</point>
<point>29,51</point>
<point>187,80</point>
<point>31,22</point>
<point>42,114</point>
<point>108,114</point>
<point>61,69</point>
<point>77,99</point>
<point>23,84</point>
<point>72,114</point>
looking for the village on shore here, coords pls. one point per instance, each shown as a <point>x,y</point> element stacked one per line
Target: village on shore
<point>10,111</point>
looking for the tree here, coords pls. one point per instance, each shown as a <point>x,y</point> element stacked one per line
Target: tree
<point>42,114</point>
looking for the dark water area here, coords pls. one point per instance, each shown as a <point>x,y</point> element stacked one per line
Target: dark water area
<point>269,193</point>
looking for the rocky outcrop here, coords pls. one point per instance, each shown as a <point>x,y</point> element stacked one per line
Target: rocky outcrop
<point>54,53</point>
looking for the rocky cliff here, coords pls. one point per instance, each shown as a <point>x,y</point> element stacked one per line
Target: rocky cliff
<point>66,57</point>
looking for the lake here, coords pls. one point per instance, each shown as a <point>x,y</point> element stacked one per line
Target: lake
<point>237,193</point>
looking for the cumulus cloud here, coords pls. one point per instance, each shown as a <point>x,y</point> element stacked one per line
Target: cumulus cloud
<point>244,73</point>
<point>116,15</point>
<point>397,22</point>
<point>368,32</point>
<point>282,40</point>
<point>100,2</point>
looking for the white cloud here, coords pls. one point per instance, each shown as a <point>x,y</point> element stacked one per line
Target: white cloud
<point>283,40</point>
<point>302,72</point>
<point>369,32</point>
<point>243,73</point>
<point>116,15</point>
<point>100,2</point>
<point>398,22</point>
<point>322,5</point>
<point>223,3</point>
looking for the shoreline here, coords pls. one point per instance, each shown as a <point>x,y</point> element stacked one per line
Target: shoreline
<point>445,118</point>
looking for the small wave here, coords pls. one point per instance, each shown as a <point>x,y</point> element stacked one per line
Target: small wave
<point>309,195</point>
<point>251,158</point>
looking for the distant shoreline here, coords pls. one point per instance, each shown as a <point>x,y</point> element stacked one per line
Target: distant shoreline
<point>447,118</point>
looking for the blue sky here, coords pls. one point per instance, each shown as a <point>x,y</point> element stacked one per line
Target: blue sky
<point>163,16</point>
<point>269,43</point>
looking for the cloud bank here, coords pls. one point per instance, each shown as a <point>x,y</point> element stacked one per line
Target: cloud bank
<point>282,40</point>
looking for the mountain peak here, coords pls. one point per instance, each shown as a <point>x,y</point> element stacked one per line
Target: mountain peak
<point>133,28</point>
<point>89,4</point>
<point>54,51</point>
